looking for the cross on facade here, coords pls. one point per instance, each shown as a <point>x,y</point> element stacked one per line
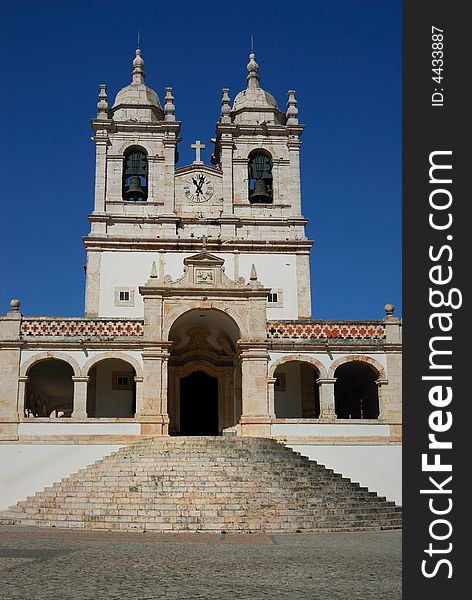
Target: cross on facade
<point>197,147</point>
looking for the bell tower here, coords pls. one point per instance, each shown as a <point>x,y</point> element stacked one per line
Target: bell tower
<point>257,148</point>
<point>244,208</point>
<point>136,150</point>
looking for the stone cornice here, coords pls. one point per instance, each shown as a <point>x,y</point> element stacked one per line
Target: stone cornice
<point>123,244</point>
<point>195,167</point>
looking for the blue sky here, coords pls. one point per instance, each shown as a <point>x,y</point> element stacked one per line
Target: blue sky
<point>342,57</point>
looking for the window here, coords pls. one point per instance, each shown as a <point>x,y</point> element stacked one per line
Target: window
<point>122,380</point>
<point>260,178</point>
<point>280,384</point>
<point>275,298</point>
<point>124,296</point>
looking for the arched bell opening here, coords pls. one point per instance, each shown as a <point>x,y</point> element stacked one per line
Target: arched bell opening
<point>49,391</point>
<point>260,177</point>
<point>204,378</point>
<point>355,391</point>
<point>111,389</point>
<point>296,393</point>
<point>135,175</point>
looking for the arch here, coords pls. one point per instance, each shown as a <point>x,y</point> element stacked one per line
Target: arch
<point>371,362</point>
<point>299,358</point>
<point>49,387</point>
<point>111,387</point>
<point>296,391</point>
<point>356,390</point>
<point>172,318</point>
<point>135,174</point>
<point>260,178</point>
<point>118,355</point>
<point>127,147</point>
<point>45,356</point>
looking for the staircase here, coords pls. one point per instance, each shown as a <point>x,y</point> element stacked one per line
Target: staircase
<point>210,484</point>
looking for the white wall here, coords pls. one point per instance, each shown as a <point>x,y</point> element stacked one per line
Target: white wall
<point>288,404</point>
<point>109,402</point>
<point>28,468</point>
<point>377,467</point>
<point>275,271</point>
<point>132,269</point>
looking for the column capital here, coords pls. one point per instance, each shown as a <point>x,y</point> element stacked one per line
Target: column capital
<point>321,381</point>
<point>80,379</point>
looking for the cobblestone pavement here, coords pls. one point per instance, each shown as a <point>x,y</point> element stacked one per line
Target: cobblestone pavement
<point>36,563</point>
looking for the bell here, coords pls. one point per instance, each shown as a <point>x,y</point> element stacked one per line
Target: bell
<point>260,192</point>
<point>135,190</point>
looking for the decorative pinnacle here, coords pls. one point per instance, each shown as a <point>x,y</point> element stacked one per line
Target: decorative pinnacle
<point>389,308</point>
<point>15,304</point>
<point>253,71</point>
<point>225,107</point>
<point>253,275</point>
<point>153,270</point>
<point>169,107</point>
<point>292,110</point>
<point>102,105</point>
<point>138,64</point>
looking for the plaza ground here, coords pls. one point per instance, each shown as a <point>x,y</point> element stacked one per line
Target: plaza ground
<point>37,563</point>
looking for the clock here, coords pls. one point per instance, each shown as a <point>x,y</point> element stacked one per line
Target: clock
<point>198,188</point>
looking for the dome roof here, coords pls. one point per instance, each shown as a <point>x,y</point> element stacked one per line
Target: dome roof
<point>254,97</point>
<point>255,105</point>
<point>137,93</point>
<point>137,101</point>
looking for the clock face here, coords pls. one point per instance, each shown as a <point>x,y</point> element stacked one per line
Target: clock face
<point>198,188</point>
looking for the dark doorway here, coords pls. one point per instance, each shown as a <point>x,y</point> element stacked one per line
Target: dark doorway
<point>199,404</point>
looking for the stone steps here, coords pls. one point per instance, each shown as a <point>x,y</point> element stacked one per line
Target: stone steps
<point>206,484</point>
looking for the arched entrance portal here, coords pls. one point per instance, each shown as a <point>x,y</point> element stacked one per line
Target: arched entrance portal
<point>199,404</point>
<point>204,389</point>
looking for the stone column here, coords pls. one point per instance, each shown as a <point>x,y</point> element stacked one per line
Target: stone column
<point>294,154</point>
<point>80,397</point>
<point>256,417</point>
<point>92,284</point>
<point>139,393</point>
<point>327,412</point>
<point>271,395</point>
<point>382,409</point>
<point>22,381</point>
<point>153,408</point>
<point>101,146</point>
<point>227,168</point>
<point>169,174</point>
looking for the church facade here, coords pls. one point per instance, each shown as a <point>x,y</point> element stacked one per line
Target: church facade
<point>198,304</point>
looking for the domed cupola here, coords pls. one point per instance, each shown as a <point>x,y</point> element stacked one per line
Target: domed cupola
<point>137,102</point>
<point>254,105</point>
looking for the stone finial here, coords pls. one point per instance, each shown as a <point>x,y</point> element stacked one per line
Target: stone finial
<point>253,275</point>
<point>389,308</point>
<point>138,64</point>
<point>253,72</point>
<point>102,105</point>
<point>153,270</point>
<point>292,110</point>
<point>169,107</point>
<point>15,304</point>
<point>225,107</point>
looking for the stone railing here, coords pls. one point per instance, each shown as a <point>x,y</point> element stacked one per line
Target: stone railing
<point>317,330</point>
<point>51,327</point>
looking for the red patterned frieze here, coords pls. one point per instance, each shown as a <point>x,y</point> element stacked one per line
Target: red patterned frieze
<point>81,328</point>
<point>301,330</point>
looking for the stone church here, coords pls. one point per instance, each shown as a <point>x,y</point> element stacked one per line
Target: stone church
<point>198,317</point>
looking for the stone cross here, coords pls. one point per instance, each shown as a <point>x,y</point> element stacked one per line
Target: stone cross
<point>197,147</point>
